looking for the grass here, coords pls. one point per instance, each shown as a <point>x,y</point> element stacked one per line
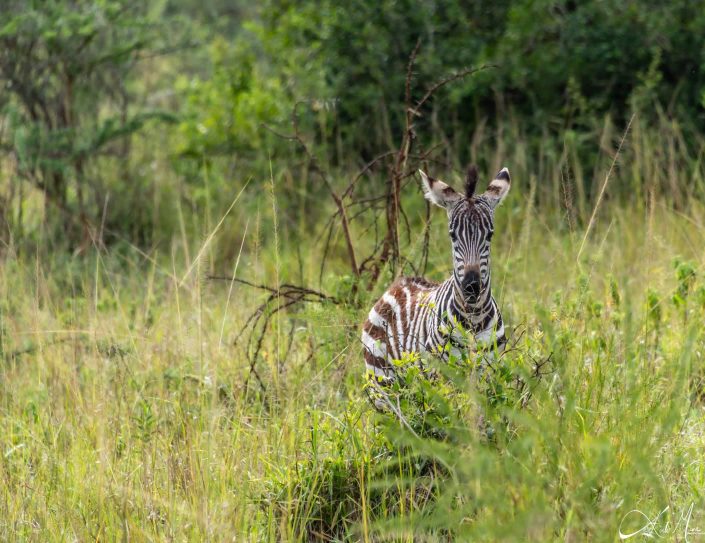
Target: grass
<point>123,413</point>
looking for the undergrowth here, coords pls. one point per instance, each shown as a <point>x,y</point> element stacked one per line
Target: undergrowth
<point>133,406</point>
<point>589,416</point>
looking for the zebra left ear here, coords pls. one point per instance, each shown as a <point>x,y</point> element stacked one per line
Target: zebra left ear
<point>499,187</point>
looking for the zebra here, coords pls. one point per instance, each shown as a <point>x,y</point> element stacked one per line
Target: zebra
<point>416,315</point>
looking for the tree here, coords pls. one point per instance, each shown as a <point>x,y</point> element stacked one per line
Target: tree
<point>64,65</point>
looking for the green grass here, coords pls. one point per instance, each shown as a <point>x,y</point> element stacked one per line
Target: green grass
<point>124,415</point>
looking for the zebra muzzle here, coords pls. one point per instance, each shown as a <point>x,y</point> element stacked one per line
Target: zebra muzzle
<point>471,284</point>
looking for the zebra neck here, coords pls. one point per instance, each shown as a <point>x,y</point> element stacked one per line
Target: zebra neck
<point>480,316</point>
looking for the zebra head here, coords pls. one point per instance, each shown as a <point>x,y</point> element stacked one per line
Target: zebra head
<point>471,226</point>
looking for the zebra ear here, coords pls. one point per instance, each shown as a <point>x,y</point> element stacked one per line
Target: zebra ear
<point>437,192</point>
<point>499,187</point>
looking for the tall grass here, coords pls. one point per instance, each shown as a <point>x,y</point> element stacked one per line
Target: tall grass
<point>124,416</point>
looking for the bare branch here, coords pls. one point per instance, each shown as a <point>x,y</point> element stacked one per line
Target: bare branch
<point>286,289</point>
<point>337,199</point>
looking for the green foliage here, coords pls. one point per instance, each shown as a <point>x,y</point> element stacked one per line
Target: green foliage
<point>536,438</point>
<point>92,89</point>
<point>226,112</point>
<point>605,57</point>
<point>321,492</point>
<point>685,275</point>
<point>65,66</point>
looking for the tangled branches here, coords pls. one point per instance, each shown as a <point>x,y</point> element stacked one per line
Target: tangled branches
<point>401,164</point>
<point>286,297</point>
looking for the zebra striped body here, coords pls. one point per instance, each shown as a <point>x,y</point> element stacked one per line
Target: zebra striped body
<point>415,315</point>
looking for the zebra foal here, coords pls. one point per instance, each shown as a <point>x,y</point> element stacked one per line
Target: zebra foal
<point>416,315</point>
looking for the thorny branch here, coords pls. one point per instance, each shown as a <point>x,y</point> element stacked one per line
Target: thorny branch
<point>279,299</point>
<point>286,289</point>
<point>390,248</point>
<point>401,165</point>
<point>322,174</point>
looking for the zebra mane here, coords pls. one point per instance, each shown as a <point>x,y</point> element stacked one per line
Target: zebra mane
<point>470,181</point>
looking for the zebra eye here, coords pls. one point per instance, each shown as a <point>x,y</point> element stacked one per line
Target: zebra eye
<point>453,237</point>
<point>489,236</point>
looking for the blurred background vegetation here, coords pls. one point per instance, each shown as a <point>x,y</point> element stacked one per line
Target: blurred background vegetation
<point>110,108</point>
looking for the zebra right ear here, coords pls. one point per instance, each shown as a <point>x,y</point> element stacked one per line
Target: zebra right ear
<point>437,192</point>
<point>499,187</point>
